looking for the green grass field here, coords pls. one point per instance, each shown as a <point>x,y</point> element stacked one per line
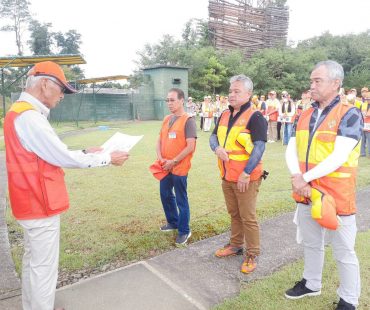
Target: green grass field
<point>116,212</point>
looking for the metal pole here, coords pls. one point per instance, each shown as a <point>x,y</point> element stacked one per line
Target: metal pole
<point>132,104</point>
<point>3,89</point>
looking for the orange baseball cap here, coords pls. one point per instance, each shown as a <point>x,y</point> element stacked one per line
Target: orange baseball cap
<point>157,170</point>
<point>49,68</point>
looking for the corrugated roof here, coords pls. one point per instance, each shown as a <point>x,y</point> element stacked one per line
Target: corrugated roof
<point>103,79</point>
<point>164,66</point>
<point>25,61</point>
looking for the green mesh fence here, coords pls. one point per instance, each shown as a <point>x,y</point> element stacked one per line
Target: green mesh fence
<point>104,107</point>
<point>93,107</point>
<point>143,102</point>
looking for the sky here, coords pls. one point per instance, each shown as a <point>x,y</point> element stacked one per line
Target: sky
<point>114,30</point>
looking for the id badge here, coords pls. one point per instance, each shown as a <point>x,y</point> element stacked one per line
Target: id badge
<point>172,135</point>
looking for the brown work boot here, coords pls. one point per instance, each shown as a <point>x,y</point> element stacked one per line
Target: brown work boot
<point>228,250</point>
<point>249,264</point>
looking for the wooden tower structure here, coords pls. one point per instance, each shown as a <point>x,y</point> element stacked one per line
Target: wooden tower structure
<point>248,25</point>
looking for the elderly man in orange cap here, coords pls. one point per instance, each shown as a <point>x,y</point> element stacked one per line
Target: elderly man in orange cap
<point>37,190</point>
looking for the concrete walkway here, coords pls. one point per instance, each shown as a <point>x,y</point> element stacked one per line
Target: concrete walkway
<point>9,282</point>
<point>183,279</point>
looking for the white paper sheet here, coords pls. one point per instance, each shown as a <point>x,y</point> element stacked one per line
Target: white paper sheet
<point>120,142</point>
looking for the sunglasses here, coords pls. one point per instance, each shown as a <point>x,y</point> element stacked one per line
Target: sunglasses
<point>62,88</point>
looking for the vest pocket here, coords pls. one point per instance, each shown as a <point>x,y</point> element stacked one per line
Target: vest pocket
<point>56,191</point>
<point>324,145</point>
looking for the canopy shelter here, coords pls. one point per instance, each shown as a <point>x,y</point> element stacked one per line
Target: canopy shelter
<point>103,79</point>
<point>27,61</point>
<point>93,81</point>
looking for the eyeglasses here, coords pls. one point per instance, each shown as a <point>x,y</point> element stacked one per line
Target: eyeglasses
<point>170,100</point>
<point>62,88</point>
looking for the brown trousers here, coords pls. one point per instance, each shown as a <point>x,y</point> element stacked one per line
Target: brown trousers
<point>242,210</point>
<point>272,133</point>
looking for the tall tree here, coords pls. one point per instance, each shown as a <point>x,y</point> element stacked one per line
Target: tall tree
<point>41,41</point>
<point>69,42</point>
<point>196,33</point>
<point>18,15</point>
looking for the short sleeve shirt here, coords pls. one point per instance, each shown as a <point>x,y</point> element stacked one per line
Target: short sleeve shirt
<point>190,126</point>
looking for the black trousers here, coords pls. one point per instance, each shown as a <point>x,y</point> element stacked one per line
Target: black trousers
<point>278,130</point>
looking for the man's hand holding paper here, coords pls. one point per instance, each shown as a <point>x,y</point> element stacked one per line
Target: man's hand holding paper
<point>118,157</point>
<point>118,146</point>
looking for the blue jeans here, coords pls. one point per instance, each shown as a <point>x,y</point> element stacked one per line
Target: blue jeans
<point>287,132</point>
<point>365,142</point>
<point>174,197</point>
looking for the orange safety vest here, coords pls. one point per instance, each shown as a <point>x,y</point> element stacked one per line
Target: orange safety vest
<point>173,141</point>
<point>36,188</point>
<point>238,141</point>
<point>365,108</point>
<point>340,184</point>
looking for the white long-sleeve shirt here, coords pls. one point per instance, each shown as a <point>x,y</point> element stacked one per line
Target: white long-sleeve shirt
<point>342,148</point>
<point>36,135</point>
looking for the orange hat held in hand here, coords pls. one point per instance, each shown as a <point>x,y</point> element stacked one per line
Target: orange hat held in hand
<point>157,170</point>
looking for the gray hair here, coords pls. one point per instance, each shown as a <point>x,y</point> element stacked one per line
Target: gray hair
<point>32,80</point>
<point>335,70</point>
<point>248,84</point>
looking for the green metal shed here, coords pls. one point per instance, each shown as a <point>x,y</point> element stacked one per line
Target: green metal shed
<point>165,77</point>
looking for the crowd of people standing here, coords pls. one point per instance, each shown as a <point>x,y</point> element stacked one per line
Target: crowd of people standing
<point>279,111</point>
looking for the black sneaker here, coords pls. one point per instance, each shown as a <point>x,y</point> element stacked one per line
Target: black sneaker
<point>343,305</point>
<point>300,290</point>
<point>182,239</point>
<point>168,227</point>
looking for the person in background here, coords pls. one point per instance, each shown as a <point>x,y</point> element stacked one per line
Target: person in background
<point>322,157</point>
<point>286,112</point>
<point>357,101</point>
<point>190,107</point>
<point>263,104</point>
<point>207,110</point>
<point>305,102</point>
<point>342,95</point>
<point>365,110</point>
<point>363,91</point>
<point>224,104</point>
<point>175,148</point>
<point>272,105</point>
<point>238,141</point>
<point>37,190</point>
<point>216,108</point>
<point>255,103</point>
<point>205,99</point>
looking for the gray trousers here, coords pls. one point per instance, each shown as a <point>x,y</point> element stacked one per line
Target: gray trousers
<point>365,142</point>
<point>342,241</point>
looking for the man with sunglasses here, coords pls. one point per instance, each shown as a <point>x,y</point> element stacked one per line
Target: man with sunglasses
<point>175,148</point>
<point>37,191</point>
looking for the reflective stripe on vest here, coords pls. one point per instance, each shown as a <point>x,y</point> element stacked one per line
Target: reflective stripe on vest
<point>36,188</point>
<point>173,141</point>
<point>341,184</point>
<point>237,141</point>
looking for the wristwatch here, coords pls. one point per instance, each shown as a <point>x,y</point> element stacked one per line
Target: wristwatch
<point>175,161</point>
